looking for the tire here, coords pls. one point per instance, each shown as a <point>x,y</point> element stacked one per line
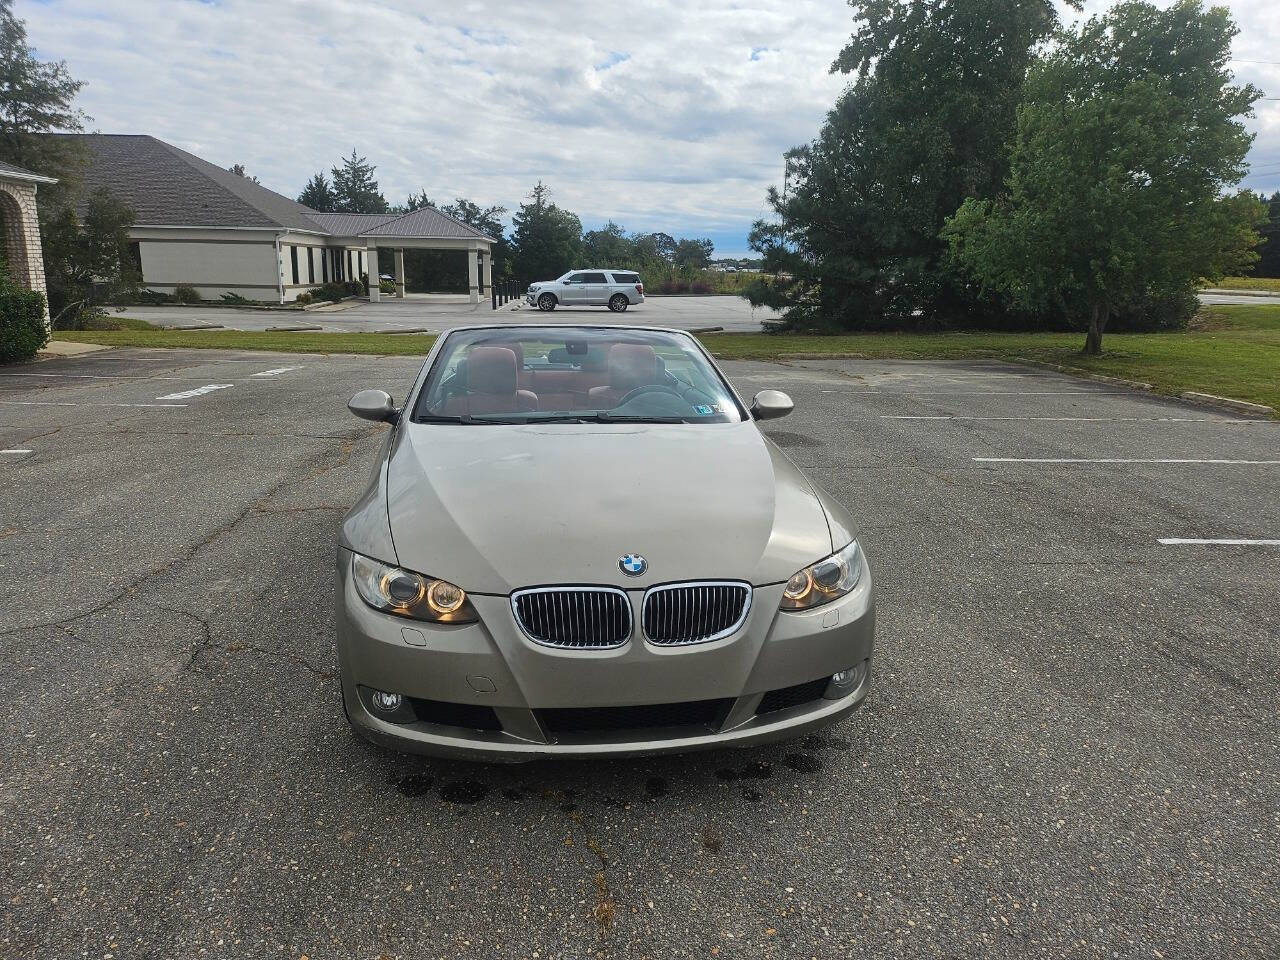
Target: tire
<point>547,302</point>
<point>618,303</point>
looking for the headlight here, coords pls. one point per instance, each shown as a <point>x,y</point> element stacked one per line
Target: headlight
<point>825,580</point>
<point>407,594</point>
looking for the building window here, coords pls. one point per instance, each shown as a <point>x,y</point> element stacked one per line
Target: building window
<point>293,259</point>
<point>311,265</point>
<point>135,257</point>
<point>348,263</point>
<point>324,264</point>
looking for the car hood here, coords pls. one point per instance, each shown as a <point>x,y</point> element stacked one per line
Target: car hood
<point>496,508</point>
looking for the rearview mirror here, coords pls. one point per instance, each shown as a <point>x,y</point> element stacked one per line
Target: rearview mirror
<point>375,405</point>
<point>771,404</point>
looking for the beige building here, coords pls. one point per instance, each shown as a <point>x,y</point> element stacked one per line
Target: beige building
<point>203,226</point>
<point>22,227</point>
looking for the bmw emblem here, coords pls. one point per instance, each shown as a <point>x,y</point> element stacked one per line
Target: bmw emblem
<point>633,564</point>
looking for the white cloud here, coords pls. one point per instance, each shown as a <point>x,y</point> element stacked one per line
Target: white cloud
<point>658,114</point>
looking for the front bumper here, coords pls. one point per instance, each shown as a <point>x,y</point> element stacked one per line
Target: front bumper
<point>490,693</point>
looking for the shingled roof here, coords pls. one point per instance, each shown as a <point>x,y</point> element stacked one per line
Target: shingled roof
<point>169,187</point>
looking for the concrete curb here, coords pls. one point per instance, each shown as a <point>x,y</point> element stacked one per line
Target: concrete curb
<point>1083,374</point>
<point>1227,403</point>
<point>297,329</point>
<point>1189,396</point>
<point>196,326</point>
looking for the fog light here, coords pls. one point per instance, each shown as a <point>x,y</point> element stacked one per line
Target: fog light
<point>387,702</point>
<point>845,681</point>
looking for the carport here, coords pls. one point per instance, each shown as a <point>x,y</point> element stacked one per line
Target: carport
<point>384,235</point>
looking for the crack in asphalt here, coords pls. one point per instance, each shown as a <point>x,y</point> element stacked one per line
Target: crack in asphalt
<point>209,644</point>
<point>258,506</point>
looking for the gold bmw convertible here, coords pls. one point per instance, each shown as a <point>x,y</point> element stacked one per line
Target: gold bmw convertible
<point>577,542</point>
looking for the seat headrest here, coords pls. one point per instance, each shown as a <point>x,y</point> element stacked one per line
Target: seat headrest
<point>515,347</point>
<point>632,365</point>
<point>491,370</point>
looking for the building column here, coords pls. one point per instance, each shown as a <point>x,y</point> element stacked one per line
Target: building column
<point>473,274</point>
<point>371,265</point>
<point>400,272</point>
<point>488,271</point>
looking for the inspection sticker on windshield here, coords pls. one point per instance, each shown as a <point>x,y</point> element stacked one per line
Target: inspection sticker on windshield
<point>703,410</point>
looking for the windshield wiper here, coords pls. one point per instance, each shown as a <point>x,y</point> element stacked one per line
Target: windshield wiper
<point>464,418</point>
<point>605,417</point>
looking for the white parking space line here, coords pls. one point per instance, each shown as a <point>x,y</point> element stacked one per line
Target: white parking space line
<point>986,393</point>
<point>69,403</point>
<point>17,451</point>
<point>1080,419</point>
<point>275,372</point>
<point>1224,542</point>
<point>108,376</point>
<point>197,392</point>
<point>1118,460</point>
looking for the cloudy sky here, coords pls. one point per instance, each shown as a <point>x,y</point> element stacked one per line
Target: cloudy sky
<point>659,115</point>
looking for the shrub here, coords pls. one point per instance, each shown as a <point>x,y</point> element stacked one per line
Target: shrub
<point>303,298</point>
<point>185,293</point>
<point>1157,311</point>
<point>355,288</point>
<point>230,297</point>
<point>154,296</point>
<point>22,329</point>
<point>333,290</point>
<point>386,286</point>
<point>700,286</point>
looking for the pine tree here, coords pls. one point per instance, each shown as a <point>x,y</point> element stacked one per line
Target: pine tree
<point>318,194</point>
<point>355,189</point>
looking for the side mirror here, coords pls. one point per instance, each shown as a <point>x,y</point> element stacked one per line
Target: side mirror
<point>771,404</point>
<point>375,405</point>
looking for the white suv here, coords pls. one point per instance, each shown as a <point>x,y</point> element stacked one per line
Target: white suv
<point>616,289</point>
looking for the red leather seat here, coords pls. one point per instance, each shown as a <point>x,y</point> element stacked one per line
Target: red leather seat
<point>492,385</point>
<point>631,365</point>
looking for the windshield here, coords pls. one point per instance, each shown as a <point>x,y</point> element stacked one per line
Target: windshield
<point>576,375</point>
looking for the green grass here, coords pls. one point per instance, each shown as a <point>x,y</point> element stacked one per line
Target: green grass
<point>1231,351</point>
<point>1269,284</point>
<point>302,342</point>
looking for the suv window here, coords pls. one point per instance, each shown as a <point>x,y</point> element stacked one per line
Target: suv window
<point>626,277</point>
<point>577,278</point>
<point>593,278</point>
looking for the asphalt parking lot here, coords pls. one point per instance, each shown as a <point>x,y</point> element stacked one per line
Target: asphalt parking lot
<point>433,313</point>
<point>1070,748</point>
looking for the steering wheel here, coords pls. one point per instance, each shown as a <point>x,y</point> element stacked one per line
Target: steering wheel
<point>648,388</point>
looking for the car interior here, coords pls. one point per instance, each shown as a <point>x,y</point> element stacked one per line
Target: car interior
<point>507,377</point>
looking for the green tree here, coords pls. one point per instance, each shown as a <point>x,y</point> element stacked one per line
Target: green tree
<point>318,194</point>
<point>608,247</point>
<point>36,97</point>
<point>546,240</point>
<point>1268,264</point>
<point>355,189</point>
<point>488,220</point>
<point>1129,135</point>
<point>693,254</point>
<point>87,259</point>
<point>923,126</point>
<point>239,170</point>
<point>416,201</point>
